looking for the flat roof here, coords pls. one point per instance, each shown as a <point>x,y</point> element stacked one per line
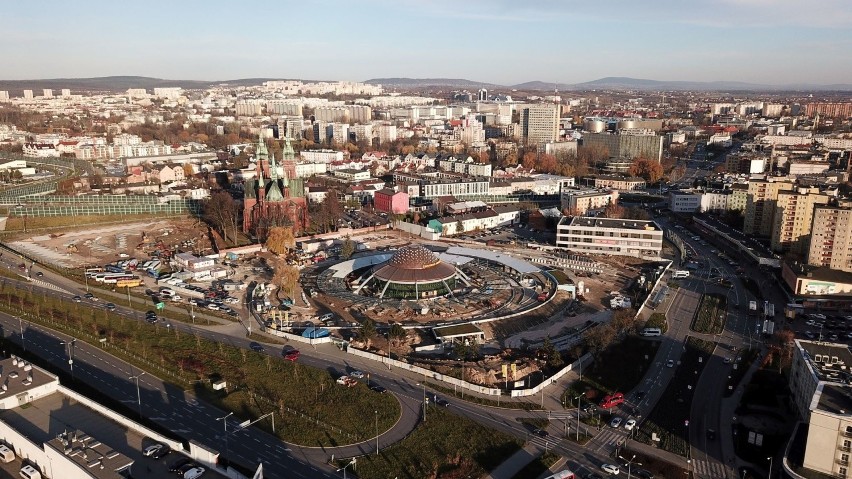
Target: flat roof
<point>19,376</point>
<point>644,225</point>
<point>516,264</point>
<point>100,460</point>
<point>835,399</point>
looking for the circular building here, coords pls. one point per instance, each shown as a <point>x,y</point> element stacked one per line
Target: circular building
<point>413,272</point>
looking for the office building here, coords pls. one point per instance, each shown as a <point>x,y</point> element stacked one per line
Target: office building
<point>823,399</point>
<point>321,156</point>
<point>831,237</point>
<point>627,144</point>
<point>791,229</point>
<point>539,123</point>
<point>580,201</point>
<point>762,196</point>
<point>641,239</point>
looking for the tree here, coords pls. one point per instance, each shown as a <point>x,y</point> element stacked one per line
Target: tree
<point>220,211</point>
<point>286,277</point>
<point>599,338</point>
<point>649,170</point>
<point>396,333</point>
<point>528,161</point>
<point>280,239</point>
<point>367,332</point>
<point>552,357</point>
<point>187,170</point>
<point>347,248</point>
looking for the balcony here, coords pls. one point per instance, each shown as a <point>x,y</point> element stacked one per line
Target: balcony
<point>844,448</point>
<point>843,462</point>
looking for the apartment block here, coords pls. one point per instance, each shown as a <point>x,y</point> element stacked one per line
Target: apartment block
<point>831,237</point>
<point>641,239</point>
<point>762,196</point>
<point>579,201</point>
<point>791,229</point>
<point>819,389</point>
<point>539,123</point>
<point>628,144</point>
<point>842,110</point>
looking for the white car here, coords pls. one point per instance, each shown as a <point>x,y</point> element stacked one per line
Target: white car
<point>150,450</point>
<point>194,473</point>
<point>616,421</point>
<point>213,306</point>
<point>357,374</point>
<point>611,469</point>
<point>630,424</point>
<point>670,363</point>
<point>231,300</point>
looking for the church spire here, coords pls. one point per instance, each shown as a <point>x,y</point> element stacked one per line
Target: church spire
<point>273,168</point>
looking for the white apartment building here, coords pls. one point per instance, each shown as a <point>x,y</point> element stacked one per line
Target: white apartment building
<point>248,108</point>
<point>386,133</point>
<point>4,95</point>
<point>579,201</point>
<point>321,156</point>
<point>464,166</point>
<point>170,93</point>
<point>641,239</point>
<point>47,93</point>
<point>823,399</point>
<point>339,133</point>
<point>290,107</point>
<point>307,169</point>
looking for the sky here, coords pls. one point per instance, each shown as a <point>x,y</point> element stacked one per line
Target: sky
<point>496,41</point>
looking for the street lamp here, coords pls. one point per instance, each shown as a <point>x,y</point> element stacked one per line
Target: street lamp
<point>70,351</point>
<point>21,327</point>
<point>138,393</point>
<point>351,463</point>
<point>224,420</point>
<point>629,464</point>
<point>770,467</point>
<point>377,431</point>
<point>578,417</point>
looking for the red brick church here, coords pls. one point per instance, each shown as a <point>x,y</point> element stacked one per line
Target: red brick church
<point>275,197</point>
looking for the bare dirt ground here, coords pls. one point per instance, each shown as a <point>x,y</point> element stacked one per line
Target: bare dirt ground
<point>102,245</point>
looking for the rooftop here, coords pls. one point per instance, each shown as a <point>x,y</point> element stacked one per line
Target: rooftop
<point>19,376</point>
<point>100,460</point>
<point>643,225</point>
<point>835,399</point>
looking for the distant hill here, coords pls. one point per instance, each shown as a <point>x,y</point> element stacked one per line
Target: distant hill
<point>428,82</point>
<point>626,83</point>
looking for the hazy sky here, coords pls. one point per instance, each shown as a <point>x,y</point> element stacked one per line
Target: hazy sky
<point>499,41</point>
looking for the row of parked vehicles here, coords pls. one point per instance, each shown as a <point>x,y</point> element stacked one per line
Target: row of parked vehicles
<point>184,467</point>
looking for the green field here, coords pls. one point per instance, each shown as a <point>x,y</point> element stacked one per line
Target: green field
<point>445,446</point>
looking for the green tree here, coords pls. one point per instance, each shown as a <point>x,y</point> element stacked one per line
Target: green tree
<point>347,248</point>
<point>367,332</point>
<point>552,357</point>
<point>396,334</point>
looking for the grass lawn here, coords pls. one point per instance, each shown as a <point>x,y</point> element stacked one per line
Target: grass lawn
<point>618,368</point>
<point>312,409</point>
<point>445,446</point>
<point>539,466</point>
<point>710,316</point>
<point>673,408</point>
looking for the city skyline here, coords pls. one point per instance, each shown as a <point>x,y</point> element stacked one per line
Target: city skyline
<point>757,41</point>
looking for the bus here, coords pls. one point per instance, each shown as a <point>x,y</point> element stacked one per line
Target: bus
<point>115,278</point>
<point>112,268</point>
<point>91,272</point>
<point>128,283</point>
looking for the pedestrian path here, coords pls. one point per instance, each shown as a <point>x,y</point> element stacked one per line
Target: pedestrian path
<point>607,440</point>
<point>708,469</point>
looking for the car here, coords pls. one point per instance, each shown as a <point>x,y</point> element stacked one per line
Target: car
<point>153,448</point>
<point>441,402</point>
<point>181,470</point>
<point>291,354</point>
<point>213,306</point>
<point>540,432</point>
<point>193,301</point>
<point>630,424</point>
<point>152,319</point>
<point>22,267</point>
<point>175,466</point>
<point>378,389</point>
<point>810,322</point>
<point>90,297</point>
<point>643,474</point>
<point>588,407</point>
<point>231,300</point>
<point>670,363</point>
<point>162,452</point>
<point>611,469</point>
<point>39,274</point>
<point>612,400</point>
<point>194,473</point>
<point>616,421</point>
<point>77,299</point>
<point>357,374</point>
<point>255,346</point>
<point>110,307</point>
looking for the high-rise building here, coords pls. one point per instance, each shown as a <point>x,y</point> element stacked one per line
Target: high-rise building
<point>762,196</point>
<point>28,94</point>
<point>47,93</point>
<point>66,92</point>
<point>831,237</point>
<point>792,222</point>
<point>842,110</point>
<point>627,144</point>
<point>539,123</point>
<point>483,94</point>
<point>4,95</point>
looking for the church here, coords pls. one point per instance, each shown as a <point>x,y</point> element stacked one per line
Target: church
<point>272,198</point>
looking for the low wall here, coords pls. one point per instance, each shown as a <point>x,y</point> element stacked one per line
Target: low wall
<point>425,372</point>
<point>578,364</point>
<point>418,230</point>
<point>252,248</point>
<point>126,422</point>
<point>295,337</point>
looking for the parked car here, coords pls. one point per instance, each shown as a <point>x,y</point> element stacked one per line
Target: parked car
<point>162,452</point>
<point>357,374</point>
<point>110,307</point>
<point>611,469</point>
<point>616,421</point>
<point>255,346</point>
<point>152,449</point>
<point>194,473</point>
<point>670,363</point>
<point>630,424</point>
<point>177,465</point>
<point>77,299</point>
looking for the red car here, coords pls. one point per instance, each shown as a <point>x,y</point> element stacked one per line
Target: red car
<point>612,400</point>
<point>290,354</point>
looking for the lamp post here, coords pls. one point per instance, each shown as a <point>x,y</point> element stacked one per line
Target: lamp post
<point>86,277</point>
<point>769,476</point>
<point>21,327</point>
<point>351,463</point>
<point>630,464</point>
<point>70,351</point>
<point>578,417</point>
<point>138,392</point>
<point>224,420</point>
<point>377,431</point>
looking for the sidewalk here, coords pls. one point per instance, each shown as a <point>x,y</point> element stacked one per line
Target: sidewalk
<point>511,466</point>
<point>728,417</point>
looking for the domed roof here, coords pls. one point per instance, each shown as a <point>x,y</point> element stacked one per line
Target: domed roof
<point>414,264</point>
<point>413,257</point>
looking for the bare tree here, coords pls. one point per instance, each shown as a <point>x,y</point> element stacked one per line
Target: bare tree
<point>220,211</point>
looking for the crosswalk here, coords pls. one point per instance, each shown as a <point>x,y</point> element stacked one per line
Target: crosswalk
<point>607,439</point>
<point>708,469</point>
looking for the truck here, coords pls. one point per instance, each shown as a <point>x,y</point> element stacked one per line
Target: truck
<point>752,307</point>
